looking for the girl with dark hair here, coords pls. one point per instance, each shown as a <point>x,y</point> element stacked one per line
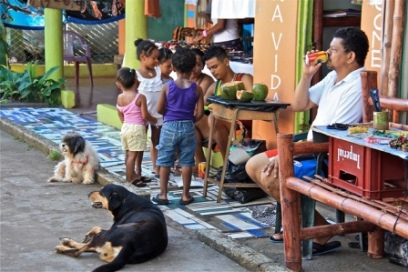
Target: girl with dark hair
<point>150,85</point>
<point>133,113</point>
<point>165,64</point>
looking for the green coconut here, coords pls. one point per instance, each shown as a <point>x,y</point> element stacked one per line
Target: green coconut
<point>260,91</point>
<point>229,90</point>
<point>244,96</point>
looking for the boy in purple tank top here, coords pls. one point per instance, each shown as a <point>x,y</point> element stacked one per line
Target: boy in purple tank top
<point>181,103</point>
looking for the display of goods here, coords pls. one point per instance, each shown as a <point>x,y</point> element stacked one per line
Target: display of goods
<point>400,143</point>
<point>244,96</point>
<point>229,90</point>
<point>260,91</point>
<point>391,133</point>
<point>357,129</point>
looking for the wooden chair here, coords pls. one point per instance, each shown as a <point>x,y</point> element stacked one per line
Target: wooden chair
<point>308,204</point>
<point>77,50</point>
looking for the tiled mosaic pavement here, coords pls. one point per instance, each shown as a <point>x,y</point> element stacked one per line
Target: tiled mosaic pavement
<point>228,216</point>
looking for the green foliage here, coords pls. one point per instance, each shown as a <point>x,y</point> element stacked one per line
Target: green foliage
<point>27,87</point>
<point>3,45</point>
<point>54,156</point>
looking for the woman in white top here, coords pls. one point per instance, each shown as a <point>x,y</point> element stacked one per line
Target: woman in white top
<point>224,33</point>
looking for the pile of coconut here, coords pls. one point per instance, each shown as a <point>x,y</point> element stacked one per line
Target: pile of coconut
<point>235,90</point>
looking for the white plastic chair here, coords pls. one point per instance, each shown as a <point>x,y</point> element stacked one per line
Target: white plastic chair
<point>77,50</point>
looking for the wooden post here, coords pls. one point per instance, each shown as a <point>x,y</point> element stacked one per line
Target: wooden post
<point>290,204</point>
<point>368,81</point>
<point>376,244</point>
<point>396,48</point>
<point>388,10</point>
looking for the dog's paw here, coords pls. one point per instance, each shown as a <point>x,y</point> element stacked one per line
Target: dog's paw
<point>66,241</point>
<point>76,180</point>
<point>88,181</point>
<point>53,179</point>
<point>60,249</point>
<point>66,180</point>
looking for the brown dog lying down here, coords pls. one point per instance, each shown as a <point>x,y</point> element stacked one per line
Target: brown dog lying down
<point>138,233</point>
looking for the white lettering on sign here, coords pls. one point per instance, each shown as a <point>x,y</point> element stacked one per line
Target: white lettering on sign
<point>348,155</point>
<point>276,40</point>
<point>277,14</point>
<point>376,39</point>
<point>275,82</point>
<point>376,42</point>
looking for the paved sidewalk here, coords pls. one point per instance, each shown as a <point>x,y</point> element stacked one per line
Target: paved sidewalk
<point>35,214</point>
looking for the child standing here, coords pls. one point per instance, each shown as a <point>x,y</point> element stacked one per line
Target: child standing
<point>181,102</point>
<point>132,110</point>
<point>150,85</point>
<point>165,64</point>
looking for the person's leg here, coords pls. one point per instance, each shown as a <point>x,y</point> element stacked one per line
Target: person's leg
<point>138,163</point>
<point>269,182</point>
<point>199,153</point>
<point>166,151</point>
<point>221,135</point>
<point>154,137</point>
<point>202,133</point>
<point>187,144</point>
<point>130,158</point>
<point>164,179</point>
<point>186,172</point>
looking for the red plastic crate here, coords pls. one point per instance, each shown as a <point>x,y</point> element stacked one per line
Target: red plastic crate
<point>364,171</point>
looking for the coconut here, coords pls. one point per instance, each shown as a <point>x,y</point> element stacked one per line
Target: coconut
<point>260,91</point>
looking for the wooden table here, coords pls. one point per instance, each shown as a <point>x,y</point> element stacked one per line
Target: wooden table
<point>230,111</point>
<point>377,213</point>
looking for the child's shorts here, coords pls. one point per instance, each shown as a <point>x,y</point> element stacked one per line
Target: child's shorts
<point>177,136</point>
<point>133,137</point>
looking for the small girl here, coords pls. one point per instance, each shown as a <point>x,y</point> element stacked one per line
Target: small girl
<point>181,102</point>
<point>132,110</point>
<point>165,64</point>
<point>150,85</point>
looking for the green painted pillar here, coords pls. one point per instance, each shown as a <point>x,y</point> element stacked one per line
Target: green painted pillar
<point>53,42</point>
<point>136,27</point>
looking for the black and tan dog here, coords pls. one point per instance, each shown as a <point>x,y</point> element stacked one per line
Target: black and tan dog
<point>138,234</point>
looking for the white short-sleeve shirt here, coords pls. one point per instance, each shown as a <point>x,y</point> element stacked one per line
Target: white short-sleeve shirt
<point>339,102</point>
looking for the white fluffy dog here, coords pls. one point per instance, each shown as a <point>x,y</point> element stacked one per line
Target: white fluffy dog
<point>80,163</point>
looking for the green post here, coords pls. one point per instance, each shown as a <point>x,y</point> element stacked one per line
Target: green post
<point>53,42</point>
<point>136,27</point>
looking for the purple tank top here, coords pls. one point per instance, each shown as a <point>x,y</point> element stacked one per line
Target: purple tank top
<point>181,102</point>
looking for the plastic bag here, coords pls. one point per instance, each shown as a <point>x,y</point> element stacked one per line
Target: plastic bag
<point>237,174</point>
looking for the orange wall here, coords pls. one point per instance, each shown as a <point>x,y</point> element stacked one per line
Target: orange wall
<point>371,24</point>
<point>274,60</point>
<point>121,37</point>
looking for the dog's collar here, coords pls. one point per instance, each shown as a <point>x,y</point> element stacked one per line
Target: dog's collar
<point>83,163</point>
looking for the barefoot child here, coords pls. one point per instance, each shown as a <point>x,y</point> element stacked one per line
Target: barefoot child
<point>181,102</point>
<point>132,110</point>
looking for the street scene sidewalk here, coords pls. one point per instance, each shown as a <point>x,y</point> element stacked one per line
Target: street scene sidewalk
<point>35,214</point>
<point>234,229</point>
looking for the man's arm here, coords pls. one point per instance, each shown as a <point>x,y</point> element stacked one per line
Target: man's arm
<point>301,101</point>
